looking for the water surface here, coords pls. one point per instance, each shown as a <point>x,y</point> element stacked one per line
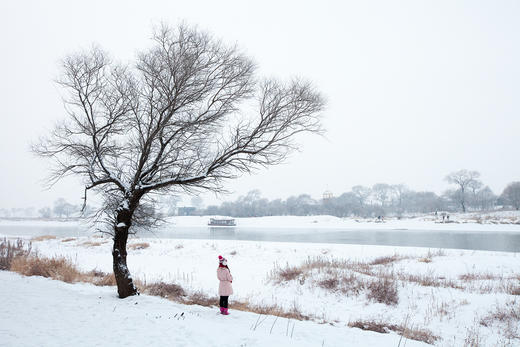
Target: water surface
<point>478,240</point>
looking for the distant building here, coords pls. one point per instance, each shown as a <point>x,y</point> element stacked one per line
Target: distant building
<point>327,195</point>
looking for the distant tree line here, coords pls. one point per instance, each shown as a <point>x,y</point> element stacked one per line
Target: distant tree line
<point>467,193</point>
<point>60,209</point>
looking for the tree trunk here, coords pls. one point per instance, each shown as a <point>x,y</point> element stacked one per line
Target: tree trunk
<point>125,285</point>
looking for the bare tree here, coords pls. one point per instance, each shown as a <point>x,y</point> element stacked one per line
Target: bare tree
<point>381,192</point>
<point>362,193</point>
<point>464,179</point>
<point>485,199</point>
<point>511,194</point>
<point>188,115</point>
<point>400,191</point>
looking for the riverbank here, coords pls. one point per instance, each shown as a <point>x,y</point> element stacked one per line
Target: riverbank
<point>453,294</point>
<point>500,221</point>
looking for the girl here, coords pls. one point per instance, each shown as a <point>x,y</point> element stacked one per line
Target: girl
<point>224,288</point>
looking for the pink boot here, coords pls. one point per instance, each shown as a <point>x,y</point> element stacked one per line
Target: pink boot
<point>222,310</point>
<point>225,311</point>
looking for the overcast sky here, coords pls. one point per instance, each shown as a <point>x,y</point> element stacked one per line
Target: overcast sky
<point>414,89</point>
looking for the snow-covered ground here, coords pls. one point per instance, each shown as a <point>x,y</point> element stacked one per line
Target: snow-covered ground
<point>449,292</point>
<point>450,312</point>
<point>40,312</point>
<point>507,222</point>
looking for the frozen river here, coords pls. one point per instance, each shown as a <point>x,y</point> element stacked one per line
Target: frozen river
<point>473,240</point>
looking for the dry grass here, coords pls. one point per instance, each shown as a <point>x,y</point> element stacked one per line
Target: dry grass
<point>429,281</point>
<point>91,244</point>
<point>43,238</point>
<point>99,278</point>
<point>387,260</point>
<point>330,283</point>
<point>200,298</point>
<point>417,334</point>
<point>17,257</point>
<point>479,276</point>
<point>68,239</point>
<point>383,290</point>
<point>55,268</point>
<point>509,312</point>
<point>514,290</point>
<point>165,290</point>
<point>289,274</point>
<point>63,269</point>
<point>140,245</point>
<point>425,260</point>
<point>293,313</point>
<point>11,250</point>
<point>507,317</point>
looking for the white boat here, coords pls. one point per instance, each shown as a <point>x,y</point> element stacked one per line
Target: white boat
<point>222,222</point>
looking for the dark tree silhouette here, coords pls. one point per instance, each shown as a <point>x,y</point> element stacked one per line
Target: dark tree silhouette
<point>189,114</point>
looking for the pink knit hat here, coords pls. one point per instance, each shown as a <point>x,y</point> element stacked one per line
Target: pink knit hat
<point>221,259</point>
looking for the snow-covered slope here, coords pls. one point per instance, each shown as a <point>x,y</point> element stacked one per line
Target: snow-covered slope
<point>40,312</point>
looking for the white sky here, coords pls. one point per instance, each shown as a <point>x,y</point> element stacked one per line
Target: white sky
<point>415,89</point>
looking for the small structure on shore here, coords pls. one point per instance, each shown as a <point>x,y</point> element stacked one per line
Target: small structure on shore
<point>223,222</point>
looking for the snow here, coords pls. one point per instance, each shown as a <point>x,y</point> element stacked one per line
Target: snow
<point>423,223</point>
<point>40,312</point>
<point>192,264</point>
<point>448,312</point>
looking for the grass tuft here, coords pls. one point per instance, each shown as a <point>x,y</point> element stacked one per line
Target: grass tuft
<point>43,238</point>
<point>383,290</point>
<point>140,245</point>
<point>417,334</point>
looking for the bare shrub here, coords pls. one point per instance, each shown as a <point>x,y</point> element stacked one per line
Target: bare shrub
<point>165,290</point>
<point>179,246</point>
<point>233,253</point>
<point>10,250</point>
<point>383,290</point>
<point>417,334</point>
<point>43,238</point>
<point>140,245</point>
<point>68,239</point>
